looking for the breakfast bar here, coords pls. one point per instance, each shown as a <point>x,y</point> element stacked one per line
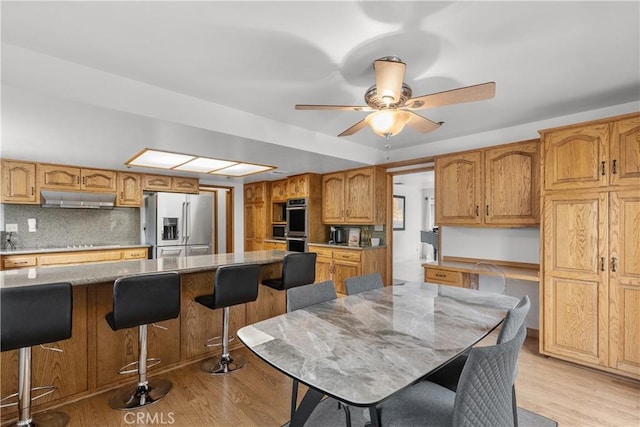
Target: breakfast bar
<point>92,356</point>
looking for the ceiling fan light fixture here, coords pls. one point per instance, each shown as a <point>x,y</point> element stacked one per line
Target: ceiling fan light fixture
<point>387,123</point>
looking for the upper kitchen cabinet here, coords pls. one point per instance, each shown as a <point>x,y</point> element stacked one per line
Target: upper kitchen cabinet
<point>279,190</point>
<point>593,155</point>
<point>167,183</point>
<point>58,177</point>
<point>255,192</point>
<point>299,186</point>
<point>356,196</point>
<point>129,189</point>
<point>256,200</point>
<point>19,182</point>
<point>494,187</point>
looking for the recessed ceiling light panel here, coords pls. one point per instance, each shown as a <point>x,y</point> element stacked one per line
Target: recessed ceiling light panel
<point>159,159</point>
<point>242,169</point>
<point>204,165</point>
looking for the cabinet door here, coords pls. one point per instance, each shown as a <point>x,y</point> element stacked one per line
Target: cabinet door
<point>19,182</point>
<point>324,267</point>
<point>157,182</point>
<point>343,270</point>
<point>333,198</point>
<point>625,152</point>
<point>575,294</point>
<point>298,186</point>
<point>458,189</point>
<point>249,230</point>
<point>624,281</point>
<point>57,177</point>
<point>512,193</point>
<point>359,196</point>
<point>185,185</point>
<point>279,191</point>
<point>129,189</point>
<point>259,226</point>
<point>98,180</point>
<point>576,158</point>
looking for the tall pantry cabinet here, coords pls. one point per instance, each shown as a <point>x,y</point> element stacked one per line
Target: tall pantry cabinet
<point>590,244</point>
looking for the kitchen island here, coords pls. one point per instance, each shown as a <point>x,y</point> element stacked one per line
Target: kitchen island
<point>94,353</point>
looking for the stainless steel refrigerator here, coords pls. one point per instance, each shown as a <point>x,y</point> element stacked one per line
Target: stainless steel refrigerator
<point>179,224</point>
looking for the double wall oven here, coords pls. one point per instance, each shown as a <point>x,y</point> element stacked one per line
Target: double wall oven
<point>297,224</point>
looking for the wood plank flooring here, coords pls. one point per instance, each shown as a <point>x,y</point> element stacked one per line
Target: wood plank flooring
<point>258,395</point>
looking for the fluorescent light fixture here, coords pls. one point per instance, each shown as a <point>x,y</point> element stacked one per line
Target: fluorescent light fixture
<point>188,163</point>
<point>204,165</point>
<point>159,159</point>
<point>242,169</point>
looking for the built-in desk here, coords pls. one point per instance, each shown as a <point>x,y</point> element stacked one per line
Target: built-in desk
<point>456,271</point>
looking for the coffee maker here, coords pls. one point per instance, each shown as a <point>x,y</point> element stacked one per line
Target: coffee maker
<point>337,235</point>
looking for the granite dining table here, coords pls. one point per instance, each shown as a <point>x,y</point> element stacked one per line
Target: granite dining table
<point>364,348</point>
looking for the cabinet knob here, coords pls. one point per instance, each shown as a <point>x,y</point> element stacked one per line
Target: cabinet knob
<point>477,210</point>
<point>614,264</point>
<point>603,169</point>
<point>602,264</point>
<point>487,210</point>
<point>614,167</point>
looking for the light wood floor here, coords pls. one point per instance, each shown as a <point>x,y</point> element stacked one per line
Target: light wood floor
<point>258,395</point>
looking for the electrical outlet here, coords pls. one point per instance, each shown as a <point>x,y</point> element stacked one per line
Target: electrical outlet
<point>11,228</point>
<point>378,227</point>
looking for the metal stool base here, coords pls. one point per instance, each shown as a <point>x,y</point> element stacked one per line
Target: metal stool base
<point>48,419</point>
<point>136,396</point>
<point>222,365</point>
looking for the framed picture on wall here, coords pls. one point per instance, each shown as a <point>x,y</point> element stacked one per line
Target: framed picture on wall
<point>398,212</point>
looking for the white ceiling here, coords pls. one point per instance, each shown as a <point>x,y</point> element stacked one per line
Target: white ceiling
<point>92,83</point>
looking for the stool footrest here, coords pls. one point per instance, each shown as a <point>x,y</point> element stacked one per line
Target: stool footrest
<point>151,362</point>
<point>209,342</point>
<point>48,389</point>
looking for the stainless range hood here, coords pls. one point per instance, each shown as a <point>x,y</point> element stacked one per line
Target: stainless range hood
<point>77,200</point>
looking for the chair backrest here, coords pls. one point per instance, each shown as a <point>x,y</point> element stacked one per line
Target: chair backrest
<point>33,315</point>
<point>497,281</point>
<point>483,396</point>
<point>298,269</point>
<point>363,283</point>
<point>514,320</point>
<point>306,295</point>
<point>236,284</point>
<point>145,298</point>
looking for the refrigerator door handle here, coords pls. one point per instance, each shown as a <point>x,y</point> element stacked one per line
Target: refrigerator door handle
<point>187,222</point>
<point>183,238</point>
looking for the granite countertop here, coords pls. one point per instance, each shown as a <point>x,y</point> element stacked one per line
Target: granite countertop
<point>345,246</point>
<point>87,274</point>
<point>71,248</point>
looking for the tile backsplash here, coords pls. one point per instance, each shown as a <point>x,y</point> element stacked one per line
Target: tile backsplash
<point>62,227</point>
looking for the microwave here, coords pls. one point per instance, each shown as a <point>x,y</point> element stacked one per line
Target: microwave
<point>279,231</point>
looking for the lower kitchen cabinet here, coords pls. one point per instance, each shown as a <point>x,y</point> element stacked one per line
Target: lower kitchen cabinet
<point>45,259</point>
<point>444,276</point>
<point>338,263</point>
<point>275,246</point>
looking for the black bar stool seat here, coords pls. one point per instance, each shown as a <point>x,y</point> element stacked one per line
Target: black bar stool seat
<point>297,269</point>
<point>139,301</point>
<point>34,315</point>
<point>233,285</point>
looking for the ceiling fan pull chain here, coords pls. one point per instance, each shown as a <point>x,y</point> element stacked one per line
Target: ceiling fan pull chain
<point>387,145</point>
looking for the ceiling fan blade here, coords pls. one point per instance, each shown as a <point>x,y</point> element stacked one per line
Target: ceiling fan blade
<point>455,96</point>
<point>422,124</point>
<point>355,128</point>
<point>389,78</point>
<point>334,107</point>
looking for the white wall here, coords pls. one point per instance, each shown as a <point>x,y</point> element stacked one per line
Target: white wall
<point>406,243</point>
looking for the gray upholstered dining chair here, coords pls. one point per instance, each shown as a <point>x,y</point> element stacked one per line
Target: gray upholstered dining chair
<point>483,396</point>
<point>363,283</point>
<point>449,375</point>
<point>304,296</point>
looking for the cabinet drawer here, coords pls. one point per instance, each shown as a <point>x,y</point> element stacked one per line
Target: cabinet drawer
<point>436,275</point>
<point>322,252</point>
<point>18,262</point>
<point>79,258</point>
<point>134,254</point>
<point>348,255</point>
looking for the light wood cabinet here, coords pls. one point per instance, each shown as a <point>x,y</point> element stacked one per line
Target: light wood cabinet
<point>590,294</point>
<point>59,177</point>
<point>275,246</point>
<point>152,182</point>
<point>19,182</point>
<point>340,263</point>
<point>435,274</point>
<point>129,189</point>
<point>255,215</point>
<point>356,196</point>
<point>298,186</point>
<point>496,187</point>
<point>71,257</point>
<point>279,192</point>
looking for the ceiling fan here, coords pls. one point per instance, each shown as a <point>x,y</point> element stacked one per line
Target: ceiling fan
<point>392,106</point>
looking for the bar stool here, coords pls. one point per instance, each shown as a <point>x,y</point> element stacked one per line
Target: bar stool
<point>139,301</point>
<point>233,284</point>
<point>34,315</point>
<point>297,269</point>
